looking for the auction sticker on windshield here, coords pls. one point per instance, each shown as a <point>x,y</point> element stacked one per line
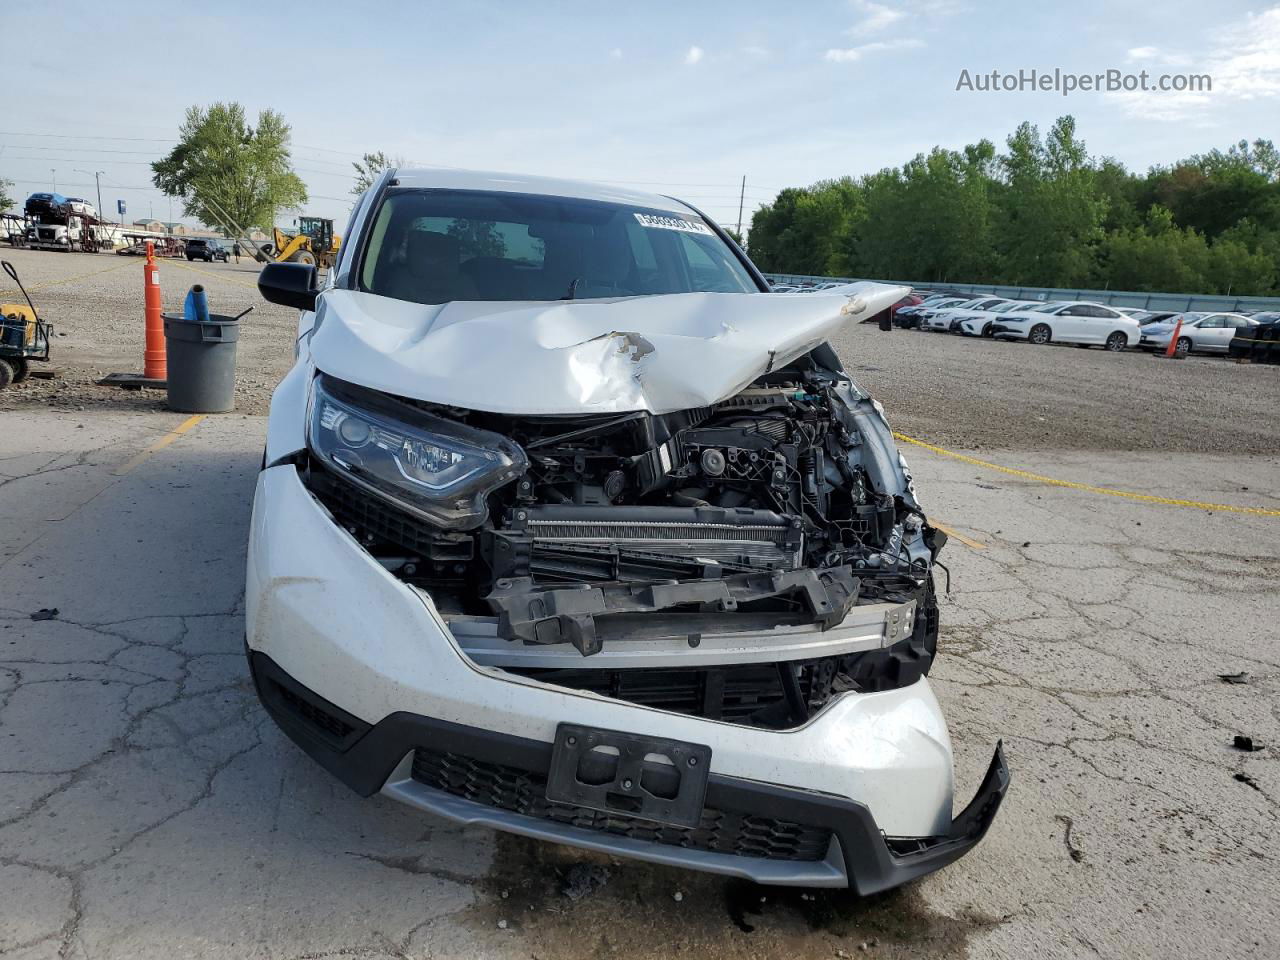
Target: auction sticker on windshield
<point>655,222</point>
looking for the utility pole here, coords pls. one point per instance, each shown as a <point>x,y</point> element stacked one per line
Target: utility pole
<point>741,196</point>
<point>54,174</point>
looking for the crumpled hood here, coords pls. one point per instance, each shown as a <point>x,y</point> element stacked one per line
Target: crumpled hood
<point>655,353</point>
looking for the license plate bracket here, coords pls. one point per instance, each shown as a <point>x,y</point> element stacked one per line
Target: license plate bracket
<point>650,778</point>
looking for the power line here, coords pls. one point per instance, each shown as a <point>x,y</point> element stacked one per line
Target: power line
<point>86,136</point>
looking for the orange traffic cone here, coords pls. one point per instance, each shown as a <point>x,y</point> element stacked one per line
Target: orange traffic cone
<point>153,356</point>
<point>154,360</point>
<point>1171,351</point>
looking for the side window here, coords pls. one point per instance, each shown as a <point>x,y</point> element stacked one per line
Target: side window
<point>1212,323</point>
<point>1237,322</point>
<point>1073,311</point>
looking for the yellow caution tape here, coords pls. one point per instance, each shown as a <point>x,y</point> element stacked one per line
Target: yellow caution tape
<point>1086,487</point>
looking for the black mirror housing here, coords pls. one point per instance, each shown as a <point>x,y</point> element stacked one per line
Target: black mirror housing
<point>289,284</point>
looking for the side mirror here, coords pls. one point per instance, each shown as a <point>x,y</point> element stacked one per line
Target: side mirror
<point>289,284</point>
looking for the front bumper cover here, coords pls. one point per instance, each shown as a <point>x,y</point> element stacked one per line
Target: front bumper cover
<point>380,757</point>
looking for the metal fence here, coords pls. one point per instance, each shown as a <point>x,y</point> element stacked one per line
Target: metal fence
<point>1116,298</point>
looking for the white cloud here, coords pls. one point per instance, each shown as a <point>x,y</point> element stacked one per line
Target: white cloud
<point>853,54</point>
<point>1243,61</point>
<point>1144,55</point>
<point>693,56</point>
<point>616,53</point>
<point>875,17</point>
<point>756,51</point>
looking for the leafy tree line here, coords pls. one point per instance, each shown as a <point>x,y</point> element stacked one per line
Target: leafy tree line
<point>1040,213</point>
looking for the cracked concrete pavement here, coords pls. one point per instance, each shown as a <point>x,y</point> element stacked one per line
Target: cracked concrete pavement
<point>148,808</point>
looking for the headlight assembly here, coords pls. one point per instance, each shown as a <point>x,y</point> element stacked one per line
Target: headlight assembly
<point>434,467</point>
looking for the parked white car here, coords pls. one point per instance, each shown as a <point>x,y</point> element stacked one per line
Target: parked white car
<point>978,323</point>
<point>948,318</point>
<point>1069,321</point>
<point>1201,332</point>
<point>566,528</point>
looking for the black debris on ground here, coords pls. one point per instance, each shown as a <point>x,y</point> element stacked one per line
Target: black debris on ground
<point>1241,742</point>
<point>45,613</point>
<point>1234,677</point>
<point>583,879</point>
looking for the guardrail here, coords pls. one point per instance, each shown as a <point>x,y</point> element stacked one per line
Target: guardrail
<point>1115,298</point>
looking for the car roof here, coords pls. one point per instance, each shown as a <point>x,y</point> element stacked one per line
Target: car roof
<point>435,178</point>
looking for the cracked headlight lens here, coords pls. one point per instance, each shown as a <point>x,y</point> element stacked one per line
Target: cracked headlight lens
<point>437,468</point>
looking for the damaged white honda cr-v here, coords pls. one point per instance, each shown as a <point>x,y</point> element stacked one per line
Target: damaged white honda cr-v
<point>569,528</point>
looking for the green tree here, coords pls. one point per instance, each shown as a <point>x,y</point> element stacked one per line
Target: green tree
<point>931,220</point>
<point>1053,209</point>
<point>370,167</point>
<point>229,173</point>
<point>1235,269</point>
<point>801,231</point>
<point>6,201</point>
<point>1213,191</point>
<point>1157,255</point>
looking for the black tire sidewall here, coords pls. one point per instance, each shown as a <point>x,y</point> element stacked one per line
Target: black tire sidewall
<point>6,373</point>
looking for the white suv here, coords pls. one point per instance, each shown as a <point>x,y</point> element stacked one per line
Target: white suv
<point>566,527</point>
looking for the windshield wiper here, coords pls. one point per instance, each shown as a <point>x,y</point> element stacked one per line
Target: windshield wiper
<point>572,292</point>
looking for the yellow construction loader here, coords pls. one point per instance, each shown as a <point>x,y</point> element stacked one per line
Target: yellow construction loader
<point>314,243</point>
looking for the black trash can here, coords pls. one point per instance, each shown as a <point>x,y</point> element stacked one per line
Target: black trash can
<point>201,359</point>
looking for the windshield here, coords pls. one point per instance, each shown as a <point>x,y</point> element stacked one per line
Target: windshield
<point>435,246</point>
<point>1046,307</point>
<point>1006,307</point>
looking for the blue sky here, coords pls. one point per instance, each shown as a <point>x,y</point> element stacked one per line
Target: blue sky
<point>681,98</point>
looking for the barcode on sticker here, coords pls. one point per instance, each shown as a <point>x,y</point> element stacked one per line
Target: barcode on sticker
<point>655,222</point>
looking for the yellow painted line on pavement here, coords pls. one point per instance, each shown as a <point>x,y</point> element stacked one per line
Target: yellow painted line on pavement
<point>957,535</point>
<point>160,444</point>
<point>55,283</point>
<point>210,273</point>
<point>1088,487</point>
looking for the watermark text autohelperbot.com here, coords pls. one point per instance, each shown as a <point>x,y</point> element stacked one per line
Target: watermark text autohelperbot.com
<point>1066,83</point>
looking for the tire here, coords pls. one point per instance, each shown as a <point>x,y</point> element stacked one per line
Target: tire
<point>988,332</point>
<point>190,258</point>
<point>1040,334</point>
<point>1116,342</point>
<point>1184,346</point>
<point>6,374</point>
<point>303,256</point>
<point>21,367</point>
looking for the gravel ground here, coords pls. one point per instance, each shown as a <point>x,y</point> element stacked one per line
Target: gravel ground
<point>94,302</point>
<point>957,392</point>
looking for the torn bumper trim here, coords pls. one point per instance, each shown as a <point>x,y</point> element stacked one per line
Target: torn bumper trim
<point>379,758</point>
<point>581,614</point>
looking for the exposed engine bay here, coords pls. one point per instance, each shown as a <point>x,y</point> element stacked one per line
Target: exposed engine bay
<point>759,513</point>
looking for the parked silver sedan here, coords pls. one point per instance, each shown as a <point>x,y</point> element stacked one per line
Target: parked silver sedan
<point>1201,332</point>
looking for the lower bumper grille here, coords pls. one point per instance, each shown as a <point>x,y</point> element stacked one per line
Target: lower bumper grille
<point>750,694</point>
<point>524,792</point>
